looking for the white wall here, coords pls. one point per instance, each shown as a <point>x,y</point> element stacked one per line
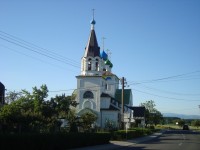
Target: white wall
<point>109,115</point>
<point>105,102</point>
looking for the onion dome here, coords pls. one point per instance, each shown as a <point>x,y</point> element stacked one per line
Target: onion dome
<point>104,56</point>
<point>111,65</point>
<point>107,62</point>
<point>93,22</point>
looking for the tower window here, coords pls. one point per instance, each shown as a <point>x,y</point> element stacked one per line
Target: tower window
<point>88,94</point>
<point>89,64</point>
<point>97,64</point>
<point>106,86</point>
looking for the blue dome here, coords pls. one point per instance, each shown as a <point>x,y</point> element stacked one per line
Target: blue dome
<point>104,56</point>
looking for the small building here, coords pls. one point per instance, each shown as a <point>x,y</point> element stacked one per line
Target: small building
<point>139,115</point>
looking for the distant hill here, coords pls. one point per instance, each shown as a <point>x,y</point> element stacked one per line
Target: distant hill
<point>182,116</point>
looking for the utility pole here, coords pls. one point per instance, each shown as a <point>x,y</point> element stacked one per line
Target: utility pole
<point>123,82</point>
<point>122,102</point>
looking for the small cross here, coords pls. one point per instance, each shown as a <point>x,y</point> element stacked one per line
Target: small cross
<point>109,54</point>
<point>93,13</point>
<point>103,38</point>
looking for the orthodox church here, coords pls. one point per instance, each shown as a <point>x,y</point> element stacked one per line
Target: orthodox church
<point>98,88</point>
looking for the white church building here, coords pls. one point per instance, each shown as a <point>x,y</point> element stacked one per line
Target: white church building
<point>98,88</point>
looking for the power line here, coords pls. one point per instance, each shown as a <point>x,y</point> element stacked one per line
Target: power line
<point>169,92</point>
<point>36,49</point>
<point>179,76</point>
<point>179,99</point>
<point>52,64</point>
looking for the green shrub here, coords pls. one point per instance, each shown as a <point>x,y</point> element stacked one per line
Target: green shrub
<point>132,133</point>
<point>123,134</point>
<point>52,141</point>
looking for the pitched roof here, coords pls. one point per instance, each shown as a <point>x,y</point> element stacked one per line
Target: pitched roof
<point>111,107</point>
<point>105,95</point>
<point>127,95</point>
<point>92,49</point>
<point>108,73</point>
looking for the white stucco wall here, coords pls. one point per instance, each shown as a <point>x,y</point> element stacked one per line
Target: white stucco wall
<point>109,115</point>
<point>105,102</point>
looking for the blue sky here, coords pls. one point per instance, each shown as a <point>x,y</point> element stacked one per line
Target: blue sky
<point>154,44</point>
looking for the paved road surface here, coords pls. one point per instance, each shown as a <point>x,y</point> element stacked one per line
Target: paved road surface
<point>166,140</point>
<point>172,140</point>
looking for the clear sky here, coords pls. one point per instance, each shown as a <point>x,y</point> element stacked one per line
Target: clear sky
<point>154,44</point>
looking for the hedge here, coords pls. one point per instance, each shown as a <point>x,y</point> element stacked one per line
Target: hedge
<point>52,141</point>
<point>132,133</point>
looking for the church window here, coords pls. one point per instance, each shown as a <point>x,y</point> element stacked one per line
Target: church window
<point>97,64</point>
<point>88,94</point>
<point>89,64</point>
<point>106,86</point>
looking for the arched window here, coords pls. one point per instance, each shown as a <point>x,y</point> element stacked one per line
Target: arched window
<point>89,64</point>
<point>88,94</point>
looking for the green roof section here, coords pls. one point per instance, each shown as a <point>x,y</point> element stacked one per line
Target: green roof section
<point>127,95</point>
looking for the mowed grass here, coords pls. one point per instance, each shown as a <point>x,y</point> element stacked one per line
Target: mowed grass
<point>176,127</point>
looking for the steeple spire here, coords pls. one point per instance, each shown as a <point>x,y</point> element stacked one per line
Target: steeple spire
<point>92,49</point>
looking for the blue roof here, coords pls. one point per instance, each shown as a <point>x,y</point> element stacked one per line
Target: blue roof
<point>104,56</point>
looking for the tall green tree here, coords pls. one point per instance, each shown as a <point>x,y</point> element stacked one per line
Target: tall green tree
<point>11,96</point>
<point>63,104</point>
<point>152,115</point>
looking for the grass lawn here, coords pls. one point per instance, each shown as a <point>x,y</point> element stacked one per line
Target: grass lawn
<point>173,126</point>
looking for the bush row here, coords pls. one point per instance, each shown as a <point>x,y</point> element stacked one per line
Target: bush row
<point>52,141</point>
<point>132,133</point>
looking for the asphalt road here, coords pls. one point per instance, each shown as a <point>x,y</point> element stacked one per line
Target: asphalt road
<point>164,140</point>
<point>169,140</point>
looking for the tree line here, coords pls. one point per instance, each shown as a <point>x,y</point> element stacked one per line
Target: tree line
<point>26,112</point>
